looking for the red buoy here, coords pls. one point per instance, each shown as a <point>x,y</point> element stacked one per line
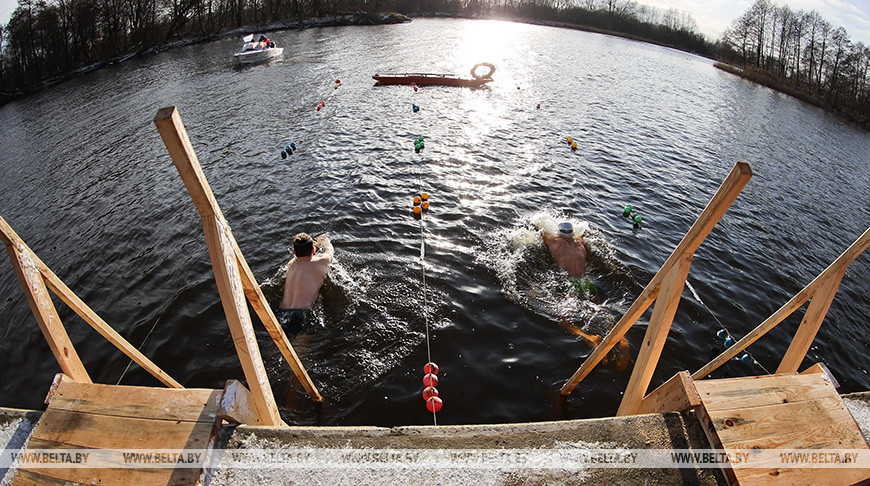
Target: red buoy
<point>434,404</point>
<point>429,392</point>
<point>430,367</point>
<point>430,380</point>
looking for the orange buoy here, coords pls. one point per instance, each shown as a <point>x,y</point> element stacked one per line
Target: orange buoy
<point>425,206</point>
<point>417,210</point>
<point>417,201</point>
<point>425,196</point>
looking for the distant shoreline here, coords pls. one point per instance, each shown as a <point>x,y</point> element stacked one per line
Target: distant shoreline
<point>767,79</point>
<point>182,41</point>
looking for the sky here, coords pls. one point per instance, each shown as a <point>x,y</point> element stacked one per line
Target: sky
<point>714,16</point>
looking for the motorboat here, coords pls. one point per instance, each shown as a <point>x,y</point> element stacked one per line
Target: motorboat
<point>261,50</point>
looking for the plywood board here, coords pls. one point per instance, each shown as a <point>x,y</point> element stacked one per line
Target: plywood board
<point>816,424</point>
<point>756,391</point>
<point>189,404</point>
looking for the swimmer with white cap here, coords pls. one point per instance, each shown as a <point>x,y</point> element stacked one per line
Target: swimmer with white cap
<point>570,254</point>
<point>568,250</point>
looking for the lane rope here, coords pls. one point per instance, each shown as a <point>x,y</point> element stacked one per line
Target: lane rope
<point>698,298</point>
<point>425,302</point>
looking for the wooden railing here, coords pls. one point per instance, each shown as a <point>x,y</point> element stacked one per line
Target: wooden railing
<point>665,289</point>
<point>36,279</point>
<point>234,278</point>
<point>821,290</point>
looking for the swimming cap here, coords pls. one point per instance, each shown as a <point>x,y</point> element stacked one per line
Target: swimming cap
<point>566,229</point>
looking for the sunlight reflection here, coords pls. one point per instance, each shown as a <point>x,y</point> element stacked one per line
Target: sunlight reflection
<point>486,41</point>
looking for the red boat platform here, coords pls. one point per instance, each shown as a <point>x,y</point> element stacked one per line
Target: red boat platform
<point>421,79</point>
<point>424,79</point>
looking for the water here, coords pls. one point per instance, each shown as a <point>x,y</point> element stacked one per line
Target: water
<point>89,186</point>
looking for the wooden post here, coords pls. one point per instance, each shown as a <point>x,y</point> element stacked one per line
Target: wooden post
<point>810,324</point>
<point>843,261</point>
<point>721,201</point>
<point>270,322</point>
<point>238,280</point>
<point>46,314</point>
<point>56,285</point>
<point>675,395</point>
<point>656,335</point>
<point>229,283</point>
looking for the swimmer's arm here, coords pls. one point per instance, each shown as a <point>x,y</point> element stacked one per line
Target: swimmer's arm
<point>326,246</point>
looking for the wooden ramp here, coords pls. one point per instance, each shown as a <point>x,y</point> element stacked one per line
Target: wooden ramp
<point>96,417</point>
<point>787,411</point>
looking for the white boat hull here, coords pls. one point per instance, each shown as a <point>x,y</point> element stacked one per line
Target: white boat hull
<point>258,55</point>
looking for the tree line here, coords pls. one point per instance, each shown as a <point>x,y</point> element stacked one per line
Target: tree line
<point>795,51</point>
<point>801,53</point>
<point>46,39</point>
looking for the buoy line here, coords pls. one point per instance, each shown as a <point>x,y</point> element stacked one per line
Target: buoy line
<point>425,311</point>
<point>726,335</point>
<point>430,369</point>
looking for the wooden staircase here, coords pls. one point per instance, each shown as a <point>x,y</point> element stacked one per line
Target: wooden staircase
<point>103,420</point>
<point>788,411</point>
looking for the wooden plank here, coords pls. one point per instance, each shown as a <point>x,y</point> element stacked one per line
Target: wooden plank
<point>188,405</point>
<point>792,305</point>
<point>96,431</point>
<point>721,201</point>
<point>45,313</point>
<point>270,322</point>
<point>675,395</point>
<point>138,477</point>
<point>812,321</point>
<point>171,129</point>
<point>237,405</point>
<point>822,369</point>
<point>104,470</point>
<point>228,278</point>
<point>23,477</point>
<point>823,423</point>
<point>655,336</point>
<point>710,431</point>
<point>56,285</point>
<point>801,476</point>
<point>757,391</point>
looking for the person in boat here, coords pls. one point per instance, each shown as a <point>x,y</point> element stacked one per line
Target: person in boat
<point>305,274</point>
<point>569,252</point>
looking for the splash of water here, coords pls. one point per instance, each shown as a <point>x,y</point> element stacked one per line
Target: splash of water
<point>530,277</point>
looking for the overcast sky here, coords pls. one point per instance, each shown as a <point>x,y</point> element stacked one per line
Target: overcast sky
<point>714,16</point>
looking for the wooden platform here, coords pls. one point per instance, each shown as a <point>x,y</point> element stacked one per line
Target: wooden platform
<point>90,416</point>
<point>775,412</point>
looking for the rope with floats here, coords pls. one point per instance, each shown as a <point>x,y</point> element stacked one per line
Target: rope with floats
<point>724,334</point>
<point>430,369</point>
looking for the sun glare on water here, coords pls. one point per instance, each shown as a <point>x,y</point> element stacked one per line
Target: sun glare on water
<point>487,41</point>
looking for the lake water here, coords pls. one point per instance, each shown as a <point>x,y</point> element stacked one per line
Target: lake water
<point>88,184</point>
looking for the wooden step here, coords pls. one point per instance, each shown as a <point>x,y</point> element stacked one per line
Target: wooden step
<point>105,417</point>
<point>786,411</point>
